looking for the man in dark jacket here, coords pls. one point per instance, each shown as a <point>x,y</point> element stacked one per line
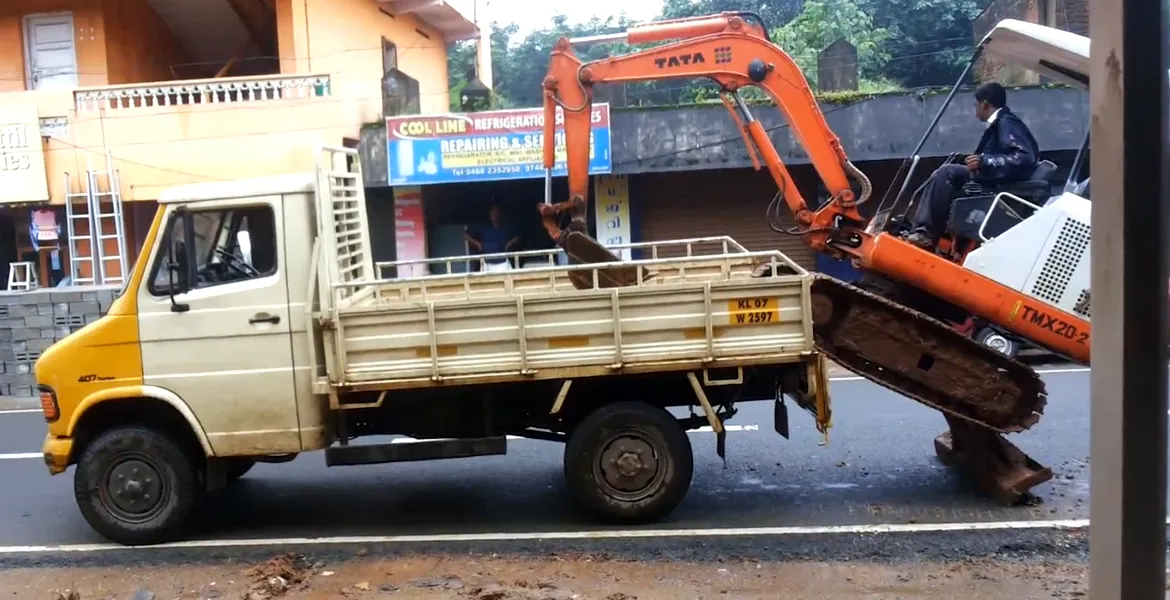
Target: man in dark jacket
<point>1006,152</point>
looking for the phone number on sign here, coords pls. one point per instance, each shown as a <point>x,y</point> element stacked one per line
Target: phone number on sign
<point>502,170</point>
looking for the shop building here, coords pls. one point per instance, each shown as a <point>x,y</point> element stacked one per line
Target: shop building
<point>445,172</point>
<point>684,172</point>
<point>105,103</point>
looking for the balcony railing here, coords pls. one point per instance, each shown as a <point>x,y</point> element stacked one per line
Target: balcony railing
<point>205,91</point>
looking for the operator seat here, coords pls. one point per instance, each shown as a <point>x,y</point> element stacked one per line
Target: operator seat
<point>970,209</point>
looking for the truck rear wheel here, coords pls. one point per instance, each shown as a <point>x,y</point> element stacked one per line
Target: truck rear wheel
<point>135,485</point>
<point>629,463</point>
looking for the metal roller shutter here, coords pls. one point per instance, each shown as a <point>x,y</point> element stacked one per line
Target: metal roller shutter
<point>728,202</point>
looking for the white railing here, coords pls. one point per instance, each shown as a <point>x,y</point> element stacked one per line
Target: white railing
<point>203,91</point>
<point>704,247</point>
<point>707,259</point>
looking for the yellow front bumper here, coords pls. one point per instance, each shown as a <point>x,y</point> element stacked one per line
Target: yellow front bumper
<point>57,451</point>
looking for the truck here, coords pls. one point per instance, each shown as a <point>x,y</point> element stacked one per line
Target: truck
<point>255,327</point>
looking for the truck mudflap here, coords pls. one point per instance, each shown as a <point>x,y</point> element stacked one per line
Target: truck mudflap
<point>982,393</point>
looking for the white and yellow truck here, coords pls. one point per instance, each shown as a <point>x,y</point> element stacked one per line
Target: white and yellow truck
<point>255,326</point>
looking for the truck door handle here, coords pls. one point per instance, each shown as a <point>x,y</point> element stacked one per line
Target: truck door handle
<point>264,318</point>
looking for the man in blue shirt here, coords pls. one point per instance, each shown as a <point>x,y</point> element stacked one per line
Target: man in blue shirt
<point>493,238</point>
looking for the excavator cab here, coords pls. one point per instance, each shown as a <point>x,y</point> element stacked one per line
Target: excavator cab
<point>984,211</point>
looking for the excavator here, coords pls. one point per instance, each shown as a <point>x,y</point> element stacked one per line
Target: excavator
<point>1007,261</point>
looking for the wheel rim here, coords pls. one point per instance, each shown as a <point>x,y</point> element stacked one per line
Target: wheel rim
<point>998,343</point>
<point>631,466</point>
<point>134,488</point>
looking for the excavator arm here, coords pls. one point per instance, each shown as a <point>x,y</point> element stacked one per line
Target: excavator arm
<point>734,54</point>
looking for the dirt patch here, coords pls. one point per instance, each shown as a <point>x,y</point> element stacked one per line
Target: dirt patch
<point>558,578</point>
<point>277,576</point>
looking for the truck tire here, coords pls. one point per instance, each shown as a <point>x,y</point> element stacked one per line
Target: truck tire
<point>135,486</point>
<point>998,342</point>
<point>629,463</point>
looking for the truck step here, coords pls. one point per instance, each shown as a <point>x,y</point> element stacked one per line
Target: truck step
<point>373,454</point>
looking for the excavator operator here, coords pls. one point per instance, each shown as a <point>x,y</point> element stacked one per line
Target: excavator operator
<point>1006,152</point>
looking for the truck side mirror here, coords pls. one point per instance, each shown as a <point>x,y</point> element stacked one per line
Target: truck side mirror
<point>178,273</point>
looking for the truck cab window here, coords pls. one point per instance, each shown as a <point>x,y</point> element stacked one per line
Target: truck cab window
<point>226,246</point>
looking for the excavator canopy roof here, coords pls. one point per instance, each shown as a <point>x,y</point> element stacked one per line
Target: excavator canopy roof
<point>1060,55</point>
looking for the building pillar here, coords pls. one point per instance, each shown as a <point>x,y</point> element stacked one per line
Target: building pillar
<point>483,47</point>
<point>1128,101</point>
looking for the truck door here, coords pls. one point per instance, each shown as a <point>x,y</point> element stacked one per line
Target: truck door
<point>214,323</point>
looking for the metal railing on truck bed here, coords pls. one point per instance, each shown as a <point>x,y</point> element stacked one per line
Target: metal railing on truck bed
<point>726,308</point>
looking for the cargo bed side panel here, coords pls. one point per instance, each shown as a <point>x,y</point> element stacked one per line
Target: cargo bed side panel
<point>578,333</point>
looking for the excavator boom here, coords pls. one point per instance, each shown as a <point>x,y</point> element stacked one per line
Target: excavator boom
<point>982,393</point>
<point>734,55</point>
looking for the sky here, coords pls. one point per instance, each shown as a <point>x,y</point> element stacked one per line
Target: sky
<point>534,14</point>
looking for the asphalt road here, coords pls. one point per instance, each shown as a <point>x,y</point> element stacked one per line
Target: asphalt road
<point>878,468</point>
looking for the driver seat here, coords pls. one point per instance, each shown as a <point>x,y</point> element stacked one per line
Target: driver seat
<point>969,210</point>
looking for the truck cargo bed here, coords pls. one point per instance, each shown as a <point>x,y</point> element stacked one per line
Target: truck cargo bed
<point>702,310</point>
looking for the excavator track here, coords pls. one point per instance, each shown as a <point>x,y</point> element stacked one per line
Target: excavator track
<point>981,392</point>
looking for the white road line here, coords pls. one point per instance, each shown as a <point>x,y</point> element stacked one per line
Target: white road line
<point>20,455</point>
<point>20,411</point>
<point>891,528</point>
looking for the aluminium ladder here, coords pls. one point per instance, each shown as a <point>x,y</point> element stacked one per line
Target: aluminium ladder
<point>88,248</point>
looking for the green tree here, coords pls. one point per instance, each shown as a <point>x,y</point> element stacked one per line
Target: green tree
<point>930,40</point>
<point>822,22</point>
<point>461,59</point>
<point>518,68</point>
<point>774,12</point>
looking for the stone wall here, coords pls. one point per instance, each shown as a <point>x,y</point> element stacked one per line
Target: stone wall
<point>32,321</point>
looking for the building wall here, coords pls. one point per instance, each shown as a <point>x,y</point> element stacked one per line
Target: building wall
<point>730,202</point>
<point>344,38</point>
<point>117,41</point>
<point>89,29</point>
<point>1069,15</point>
<point>139,45</point>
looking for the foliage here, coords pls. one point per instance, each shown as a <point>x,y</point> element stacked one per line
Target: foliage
<point>774,13</point>
<point>822,22</point>
<point>900,43</point>
<point>518,69</point>
<point>930,40</point>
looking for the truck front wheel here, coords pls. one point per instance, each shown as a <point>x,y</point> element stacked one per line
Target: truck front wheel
<point>135,485</point>
<point>629,463</point>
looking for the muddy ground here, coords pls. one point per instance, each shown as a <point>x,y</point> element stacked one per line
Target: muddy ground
<point>294,577</point>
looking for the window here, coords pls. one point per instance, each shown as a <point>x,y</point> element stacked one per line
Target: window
<point>206,248</point>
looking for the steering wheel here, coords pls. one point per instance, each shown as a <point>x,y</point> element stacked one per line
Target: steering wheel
<point>236,264</point>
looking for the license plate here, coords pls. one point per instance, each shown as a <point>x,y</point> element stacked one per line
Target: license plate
<point>753,311</point>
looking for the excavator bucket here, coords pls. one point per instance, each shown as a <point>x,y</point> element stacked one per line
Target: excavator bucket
<point>996,465</point>
<point>583,249</point>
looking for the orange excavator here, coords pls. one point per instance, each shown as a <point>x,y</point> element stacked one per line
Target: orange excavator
<point>888,328</point>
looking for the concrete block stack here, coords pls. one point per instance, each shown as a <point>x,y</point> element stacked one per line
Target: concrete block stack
<point>32,321</point>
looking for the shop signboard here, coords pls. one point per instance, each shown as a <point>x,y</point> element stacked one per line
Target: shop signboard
<point>484,146</point>
<point>22,156</point>
<point>611,212</point>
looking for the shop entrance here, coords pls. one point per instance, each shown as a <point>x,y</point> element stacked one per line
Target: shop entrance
<point>451,208</point>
